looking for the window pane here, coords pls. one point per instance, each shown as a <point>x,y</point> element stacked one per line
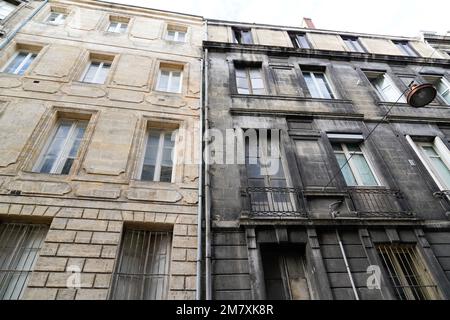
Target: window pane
<point>181,36</point>
<point>175,83</point>
<point>123,28</point>
<point>364,171</point>
<point>171,35</point>
<point>163,83</point>
<point>15,63</point>
<point>27,63</point>
<point>102,73</point>
<point>55,148</point>
<point>148,173</point>
<point>444,90</point>
<point>323,86</point>
<point>5,9</point>
<point>346,171</point>
<point>302,41</point>
<point>112,27</point>
<point>311,86</point>
<point>246,37</point>
<point>91,72</point>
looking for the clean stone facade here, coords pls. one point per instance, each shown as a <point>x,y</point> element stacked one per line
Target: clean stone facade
<point>407,208</point>
<point>87,209</point>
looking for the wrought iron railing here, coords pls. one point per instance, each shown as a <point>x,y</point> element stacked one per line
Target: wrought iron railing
<point>271,201</point>
<point>378,202</point>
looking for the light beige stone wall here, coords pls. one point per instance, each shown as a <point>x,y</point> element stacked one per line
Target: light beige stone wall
<point>86,211</point>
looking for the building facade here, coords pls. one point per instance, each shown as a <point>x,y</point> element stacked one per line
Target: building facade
<point>99,116</point>
<point>356,206</point>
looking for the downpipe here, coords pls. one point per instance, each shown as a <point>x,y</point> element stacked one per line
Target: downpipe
<point>347,265</point>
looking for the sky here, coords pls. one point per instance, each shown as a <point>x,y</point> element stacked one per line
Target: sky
<point>388,17</point>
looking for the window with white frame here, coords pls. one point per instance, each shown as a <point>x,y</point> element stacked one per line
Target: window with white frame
<point>299,40</point>
<point>405,48</point>
<point>318,84</point>
<point>118,25</point>
<point>19,249</point>
<point>176,33</point>
<point>353,44</point>
<point>170,79</point>
<point>19,63</point>
<point>356,168</point>
<point>158,161</point>
<point>6,8</point>
<point>62,148</point>
<point>249,80</point>
<point>442,86</point>
<point>435,157</point>
<point>96,72</point>
<point>56,17</point>
<point>385,86</point>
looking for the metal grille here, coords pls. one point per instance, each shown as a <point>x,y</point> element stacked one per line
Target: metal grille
<point>407,273</point>
<point>142,271</point>
<point>270,201</point>
<point>19,248</point>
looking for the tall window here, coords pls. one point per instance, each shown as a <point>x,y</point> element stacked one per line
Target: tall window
<point>242,36</point>
<point>436,158</point>
<point>6,8</point>
<point>170,79</point>
<point>284,274</point>
<point>62,149</point>
<point>176,33</point>
<point>442,86</point>
<point>318,84</point>
<point>96,72</point>
<point>407,273</point>
<point>142,271</point>
<point>353,44</point>
<point>385,87</point>
<point>19,63</point>
<point>299,40</point>
<point>405,48</point>
<point>159,156</point>
<point>357,171</point>
<point>249,80</point>
<point>56,17</point>
<point>19,248</point>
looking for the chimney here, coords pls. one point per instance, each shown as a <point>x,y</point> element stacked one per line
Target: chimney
<point>308,23</point>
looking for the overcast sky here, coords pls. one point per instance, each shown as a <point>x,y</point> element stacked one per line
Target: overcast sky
<point>390,17</point>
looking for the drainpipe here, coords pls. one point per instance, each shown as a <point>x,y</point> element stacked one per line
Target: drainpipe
<point>12,34</point>
<point>347,265</point>
<point>207,191</point>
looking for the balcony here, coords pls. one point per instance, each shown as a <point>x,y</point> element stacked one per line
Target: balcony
<point>378,202</point>
<point>275,202</point>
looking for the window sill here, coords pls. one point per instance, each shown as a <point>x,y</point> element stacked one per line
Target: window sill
<point>286,97</point>
<point>151,184</point>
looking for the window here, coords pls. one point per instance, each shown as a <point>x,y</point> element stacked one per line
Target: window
<point>96,72</point>
<point>19,248</point>
<point>62,148</point>
<point>407,273</point>
<point>357,171</point>
<point>299,40</point>
<point>385,87</point>
<point>268,186</point>
<point>285,274</point>
<point>170,79</point>
<point>353,44</point>
<point>405,48</point>
<point>20,62</point>
<point>442,86</point>
<point>142,271</point>
<point>318,84</point>
<point>249,80</point>
<point>56,17</point>
<point>6,8</point>
<point>158,159</point>
<point>118,24</point>
<point>176,33</point>
<point>436,159</point>
<point>242,36</point>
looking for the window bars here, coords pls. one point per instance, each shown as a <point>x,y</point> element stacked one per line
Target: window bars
<point>19,248</point>
<point>408,275</point>
<point>142,271</point>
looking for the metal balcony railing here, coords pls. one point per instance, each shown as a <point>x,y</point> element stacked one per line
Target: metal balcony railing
<point>377,202</point>
<point>273,202</point>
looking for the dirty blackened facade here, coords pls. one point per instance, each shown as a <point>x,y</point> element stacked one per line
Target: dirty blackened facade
<point>310,231</point>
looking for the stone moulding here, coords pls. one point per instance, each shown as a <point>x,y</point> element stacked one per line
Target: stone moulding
<point>169,196</point>
<point>10,82</point>
<point>39,187</point>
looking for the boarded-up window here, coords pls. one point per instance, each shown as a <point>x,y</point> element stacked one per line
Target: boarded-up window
<point>284,274</point>
<point>142,271</point>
